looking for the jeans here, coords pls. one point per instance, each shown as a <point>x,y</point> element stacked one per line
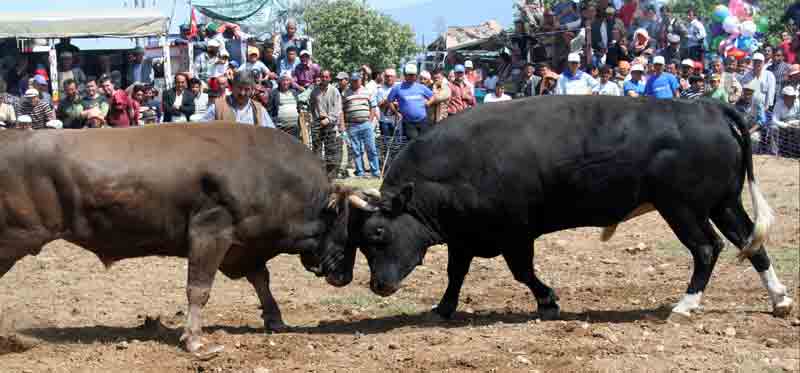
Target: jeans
<point>362,137</point>
<point>412,130</point>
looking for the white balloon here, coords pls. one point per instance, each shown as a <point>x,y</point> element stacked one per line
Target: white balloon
<point>748,28</point>
<point>731,24</point>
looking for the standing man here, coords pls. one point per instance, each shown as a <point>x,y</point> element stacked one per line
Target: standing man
<point>359,115</point>
<point>778,68</point>
<point>672,53</point>
<point>573,81</point>
<point>386,120</point>
<point>661,84</point>
<point>461,97</point>
<point>528,82</point>
<point>437,110</point>
<point>67,71</point>
<point>239,107</point>
<point>283,107</point>
<point>70,108</point>
<point>411,99</point>
<point>289,39</point>
<point>764,78</point>
<point>205,64</point>
<point>327,123</point>
<point>139,70</point>
<point>695,36</point>
<point>305,73</point>
<point>635,86</point>
<point>729,81</point>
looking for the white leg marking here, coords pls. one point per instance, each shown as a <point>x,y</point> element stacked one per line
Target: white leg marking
<point>781,303</point>
<point>688,303</point>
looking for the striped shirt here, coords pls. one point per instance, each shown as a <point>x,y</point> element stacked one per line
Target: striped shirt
<point>357,105</point>
<point>40,114</point>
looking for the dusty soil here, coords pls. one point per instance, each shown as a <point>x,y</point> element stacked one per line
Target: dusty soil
<point>62,311</point>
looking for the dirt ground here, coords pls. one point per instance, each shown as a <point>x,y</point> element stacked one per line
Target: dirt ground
<point>62,311</point>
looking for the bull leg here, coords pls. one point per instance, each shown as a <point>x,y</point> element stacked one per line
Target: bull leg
<point>270,313</point>
<point>458,262</point>
<point>736,226</point>
<point>519,259</point>
<point>698,236</point>
<point>210,237</point>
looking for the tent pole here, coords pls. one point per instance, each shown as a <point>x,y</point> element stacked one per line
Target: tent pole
<point>167,62</point>
<point>54,83</point>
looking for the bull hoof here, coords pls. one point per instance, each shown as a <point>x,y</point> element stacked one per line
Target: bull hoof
<point>783,308</point>
<point>201,348</point>
<point>444,312</point>
<point>275,326</point>
<point>549,313</point>
<point>680,316</point>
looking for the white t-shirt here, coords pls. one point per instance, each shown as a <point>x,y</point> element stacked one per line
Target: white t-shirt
<point>608,88</point>
<point>491,97</point>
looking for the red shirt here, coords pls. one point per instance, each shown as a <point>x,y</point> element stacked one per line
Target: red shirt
<point>786,46</point>
<point>626,13</point>
<point>460,98</point>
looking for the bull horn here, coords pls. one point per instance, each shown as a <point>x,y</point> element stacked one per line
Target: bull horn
<point>372,192</point>
<point>361,204</point>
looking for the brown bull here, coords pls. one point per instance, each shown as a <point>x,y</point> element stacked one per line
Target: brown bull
<point>227,197</point>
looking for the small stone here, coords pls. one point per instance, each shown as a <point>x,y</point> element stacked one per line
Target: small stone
<point>660,348</point>
<point>393,346</point>
<point>772,342</point>
<point>584,325</point>
<point>310,346</point>
<point>796,322</point>
<point>260,370</point>
<point>609,261</point>
<point>730,332</point>
<point>122,345</point>
<point>523,360</point>
<point>272,343</point>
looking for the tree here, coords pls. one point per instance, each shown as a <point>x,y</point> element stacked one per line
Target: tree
<point>348,33</point>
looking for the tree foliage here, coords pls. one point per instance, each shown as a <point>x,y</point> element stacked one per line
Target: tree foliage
<point>347,33</point>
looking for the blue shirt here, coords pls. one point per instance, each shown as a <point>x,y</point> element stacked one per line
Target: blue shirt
<point>412,98</point>
<point>663,85</point>
<point>637,87</point>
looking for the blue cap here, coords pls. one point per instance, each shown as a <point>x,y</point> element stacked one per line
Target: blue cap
<point>459,69</point>
<point>39,80</point>
<point>355,76</point>
<point>234,64</point>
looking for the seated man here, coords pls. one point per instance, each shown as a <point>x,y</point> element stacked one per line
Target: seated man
<point>70,109</point>
<point>37,109</point>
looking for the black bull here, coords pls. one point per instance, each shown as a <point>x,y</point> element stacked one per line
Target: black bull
<point>490,181</point>
<point>228,198</point>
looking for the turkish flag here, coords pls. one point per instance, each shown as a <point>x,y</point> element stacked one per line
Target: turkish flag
<point>193,25</point>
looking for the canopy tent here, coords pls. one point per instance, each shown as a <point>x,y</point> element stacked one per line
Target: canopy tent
<point>231,11</point>
<point>465,37</point>
<point>130,23</point>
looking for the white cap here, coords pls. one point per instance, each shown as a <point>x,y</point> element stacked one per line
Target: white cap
<point>673,38</point>
<point>659,60</point>
<point>468,64</point>
<point>574,57</point>
<point>214,43</point>
<point>425,74</point>
<point>305,52</point>
<point>758,57</point>
<point>31,92</point>
<point>24,119</point>
<point>789,91</point>
<point>410,68</point>
<point>638,68</point>
<point>224,53</point>
<point>55,123</point>
<point>687,62</point>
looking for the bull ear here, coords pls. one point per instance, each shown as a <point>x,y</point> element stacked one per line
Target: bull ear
<point>401,199</point>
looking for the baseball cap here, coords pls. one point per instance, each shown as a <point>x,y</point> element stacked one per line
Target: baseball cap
<point>212,27</point>
<point>610,10</point>
<point>574,57</point>
<point>214,43</point>
<point>31,92</point>
<point>687,62</point>
<point>234,64</point>
<point>659,60</point>
<point>253,50</point>
<point>40,80</point>
<point>758,57</point>
<point>638,68</point>
<point>411,69</point>
<point>673,38</point>
<point>789,91</point>
<point>355,76</point>
<point>459,69</point>
<point>305,52</point>
<point>468,64</point>
<point>341,75</point>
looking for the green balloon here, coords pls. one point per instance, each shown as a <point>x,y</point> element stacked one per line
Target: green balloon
<point>715,42</point>
<point>762,23</point>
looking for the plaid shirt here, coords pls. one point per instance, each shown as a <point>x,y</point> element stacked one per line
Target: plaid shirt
<point>779,70</point>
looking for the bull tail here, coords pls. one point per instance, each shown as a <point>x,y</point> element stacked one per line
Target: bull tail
<point>764,217</point>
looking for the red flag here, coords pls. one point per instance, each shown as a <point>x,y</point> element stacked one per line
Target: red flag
<point>193,25</point>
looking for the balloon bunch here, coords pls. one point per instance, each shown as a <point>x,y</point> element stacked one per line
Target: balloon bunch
<point>736,29</point>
